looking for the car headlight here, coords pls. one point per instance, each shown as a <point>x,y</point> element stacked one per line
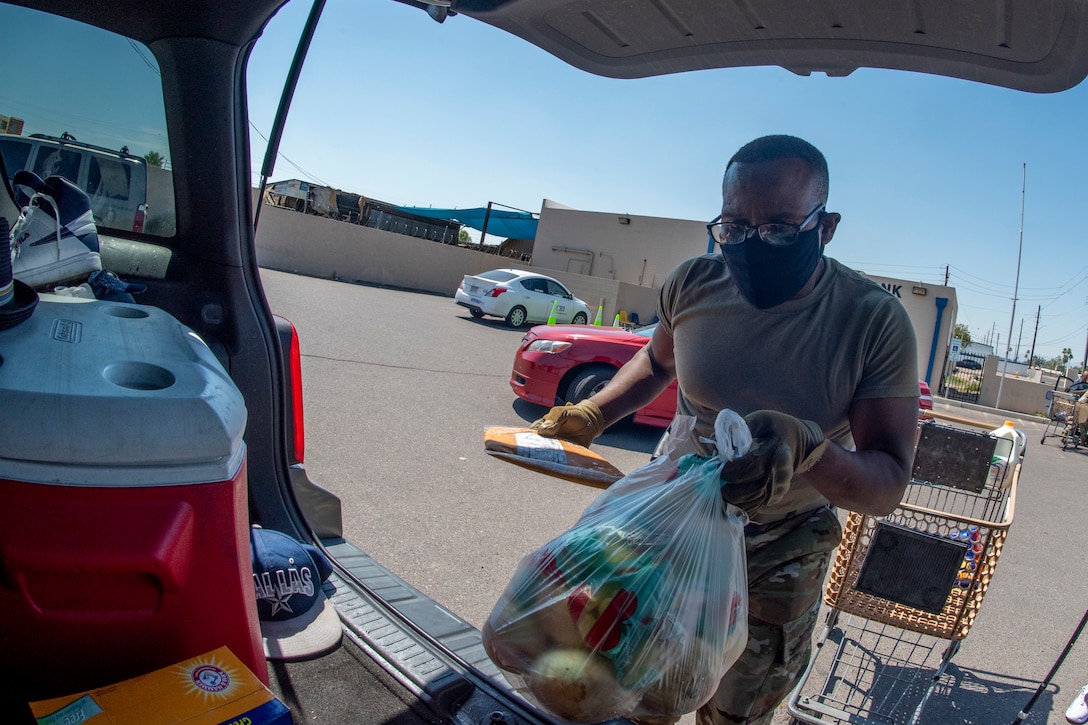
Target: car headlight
<point>548,346</point>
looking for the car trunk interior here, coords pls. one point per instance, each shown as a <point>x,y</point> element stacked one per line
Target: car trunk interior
<point>434,663</point>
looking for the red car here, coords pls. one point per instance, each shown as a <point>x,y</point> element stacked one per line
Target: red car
<point>925,399</point>
<point>556,364</point>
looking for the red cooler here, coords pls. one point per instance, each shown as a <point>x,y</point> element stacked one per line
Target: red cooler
<point>124,520</point>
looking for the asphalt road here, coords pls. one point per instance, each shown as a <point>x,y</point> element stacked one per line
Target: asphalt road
<point>399,387</point>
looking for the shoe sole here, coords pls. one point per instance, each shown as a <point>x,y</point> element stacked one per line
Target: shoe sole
<point>65,269</point>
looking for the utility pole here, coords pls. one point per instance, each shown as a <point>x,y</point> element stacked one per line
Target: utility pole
<point>483,232</point>
<point>1019,338</point>
<point>1035,336</point>
<point>946,275</point>
<point>1016,287</point>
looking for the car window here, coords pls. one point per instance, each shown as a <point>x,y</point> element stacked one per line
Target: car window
<point>59,162</point>
<point>15,154</point>
<point>120,158</point>
<point>110,178</point>
<point>535,284</point>
<point>497,275</point>
<point>554,288</point>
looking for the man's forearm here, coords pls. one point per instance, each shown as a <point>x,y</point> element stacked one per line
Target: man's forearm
<point>869,482</point>
<point>635,386</point>
<point>871,479</point>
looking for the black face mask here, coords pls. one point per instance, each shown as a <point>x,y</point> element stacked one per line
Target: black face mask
<point>768,275</point>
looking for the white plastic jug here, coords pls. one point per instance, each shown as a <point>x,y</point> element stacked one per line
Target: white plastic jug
<point>1010,446</point>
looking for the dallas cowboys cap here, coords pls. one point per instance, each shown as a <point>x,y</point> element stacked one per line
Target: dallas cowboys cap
<point>297,619</point>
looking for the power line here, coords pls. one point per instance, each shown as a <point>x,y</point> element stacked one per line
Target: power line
<point>301,170</point>
<point>139,51</point>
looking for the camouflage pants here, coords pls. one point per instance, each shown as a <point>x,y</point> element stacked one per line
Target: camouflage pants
<point>787,562</point>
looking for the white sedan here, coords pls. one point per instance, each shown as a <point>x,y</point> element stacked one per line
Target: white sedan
<point>520,297</point>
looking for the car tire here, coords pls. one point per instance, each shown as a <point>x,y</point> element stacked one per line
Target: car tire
<point>589,381</point>
<point>476,312</point>
<point>516,317</point>
<point>579,319</point>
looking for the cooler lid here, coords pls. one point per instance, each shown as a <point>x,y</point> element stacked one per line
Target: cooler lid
<point>107,393</point>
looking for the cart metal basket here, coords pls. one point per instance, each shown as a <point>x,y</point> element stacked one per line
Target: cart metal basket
<point>905,588</point>
<point>1064,414</point>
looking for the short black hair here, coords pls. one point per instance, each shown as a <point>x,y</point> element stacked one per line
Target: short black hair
<point>778,147</point>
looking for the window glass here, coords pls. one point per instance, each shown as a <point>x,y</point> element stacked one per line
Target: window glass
<point>121,159</point>
<point>57,162</point>
<point>109,178</point>
<point>497,275</point>
<point>554,288</point>
<point>15,153</point>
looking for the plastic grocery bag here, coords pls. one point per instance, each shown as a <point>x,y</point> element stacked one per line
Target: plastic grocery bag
<point>642,606</point>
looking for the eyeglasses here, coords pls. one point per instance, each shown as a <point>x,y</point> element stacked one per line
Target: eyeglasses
<point>777,234</point>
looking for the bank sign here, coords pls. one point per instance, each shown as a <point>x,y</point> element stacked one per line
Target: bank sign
<point>895,290</point>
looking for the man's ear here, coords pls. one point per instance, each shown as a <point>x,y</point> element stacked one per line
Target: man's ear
<point>829,222</point>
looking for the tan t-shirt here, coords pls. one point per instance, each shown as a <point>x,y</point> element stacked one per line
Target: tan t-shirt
<point>811,358</point>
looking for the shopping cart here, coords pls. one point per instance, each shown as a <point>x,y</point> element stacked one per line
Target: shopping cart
<point>1063,417</point>
<point>905,588</point>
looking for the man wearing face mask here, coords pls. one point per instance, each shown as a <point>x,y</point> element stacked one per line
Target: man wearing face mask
<point>822,364</point>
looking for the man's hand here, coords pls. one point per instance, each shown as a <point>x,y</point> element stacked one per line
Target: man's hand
<point>575,422</point>
<point>782,446</point>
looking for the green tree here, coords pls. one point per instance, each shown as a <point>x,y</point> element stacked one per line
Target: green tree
<point>463,237</point>
<point>962,333</point>
<point>1067,355</point>
<point>154,158</point>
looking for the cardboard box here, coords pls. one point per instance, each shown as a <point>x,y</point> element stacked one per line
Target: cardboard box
<point>212,689</point>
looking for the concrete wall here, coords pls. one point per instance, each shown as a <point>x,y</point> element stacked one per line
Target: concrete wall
<point>932,310</point>
<point>161,218</point>
<point>307,244</point>
<point>1022,394</point>
<point>639,250</point>
<point>615,260</point>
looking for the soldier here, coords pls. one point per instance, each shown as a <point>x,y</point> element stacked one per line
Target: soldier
<point>822,364</point>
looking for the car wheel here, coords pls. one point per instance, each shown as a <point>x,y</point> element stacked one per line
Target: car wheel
<point>476,312</point>
<point>579,319</point>
<point>589,381</point>
<point>516,317</point>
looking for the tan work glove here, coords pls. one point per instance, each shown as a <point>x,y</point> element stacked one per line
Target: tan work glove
<point>782,446</point>
<point>575,422</point>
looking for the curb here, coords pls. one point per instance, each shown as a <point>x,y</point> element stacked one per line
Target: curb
<point>948,404</point>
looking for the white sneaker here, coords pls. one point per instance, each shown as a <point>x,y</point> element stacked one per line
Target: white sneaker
<point>55,238</point>
<point>1078,709</point>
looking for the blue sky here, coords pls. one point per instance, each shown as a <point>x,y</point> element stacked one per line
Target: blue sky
<point>926,171</point>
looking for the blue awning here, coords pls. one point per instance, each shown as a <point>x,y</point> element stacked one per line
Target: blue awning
<point>506,224</point>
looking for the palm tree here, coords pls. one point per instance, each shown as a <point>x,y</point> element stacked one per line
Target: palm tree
<point>154,158</point>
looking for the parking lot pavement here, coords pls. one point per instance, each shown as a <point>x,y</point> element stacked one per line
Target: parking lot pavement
<point>400,385</point>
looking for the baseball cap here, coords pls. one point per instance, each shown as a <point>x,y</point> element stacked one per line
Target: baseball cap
<point>297,620</point>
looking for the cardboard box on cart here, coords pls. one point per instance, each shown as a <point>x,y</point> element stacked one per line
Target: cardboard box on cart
<point>124,521</point>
